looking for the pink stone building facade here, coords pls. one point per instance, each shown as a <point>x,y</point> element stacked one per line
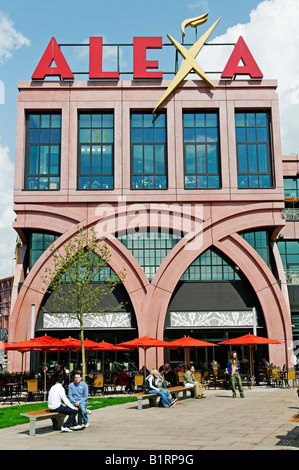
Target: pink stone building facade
<point>225,280</point>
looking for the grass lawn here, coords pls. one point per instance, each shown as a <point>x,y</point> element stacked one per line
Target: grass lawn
<point>10,415</point>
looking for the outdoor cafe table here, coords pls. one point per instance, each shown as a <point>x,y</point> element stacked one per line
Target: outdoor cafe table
<point>9,387</point>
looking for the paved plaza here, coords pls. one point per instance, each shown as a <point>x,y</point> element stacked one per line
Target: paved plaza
<point>219,422</point>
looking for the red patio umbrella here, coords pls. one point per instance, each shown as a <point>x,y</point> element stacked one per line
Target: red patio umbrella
<point>250,340</point>
<point>104,346</point>
<point>72,344</point>
<point>145,342</point>
<point>187,343</point>
<point>42,343</point>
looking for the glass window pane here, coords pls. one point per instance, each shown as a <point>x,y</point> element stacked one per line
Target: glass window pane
<point>212,158</point>
<point>136,120</point>
<point>264,181</point>
<point>262,119</point>
<point>107,159</point>
<point>201,159</point>
<point>148,135</point>
<point>211,120</point>
<point>95,160</point>
<point>242,158</point>
<point>253,181</point>
<point>213,181</point>
<point>190,159</point>
<point>200,120</point>
<point>250,119</point>
<point>44,136</point>
<point>44,159</point>
<point>56,121</point>
<point>241,134</point>
<point>54,159</point>
<point>85,120</point>
<point>212,134</point>
<point>189,134</point>
<point>84,182</point>
<point>251,134</point>
<point>85,136</point>
<point>45,120</point>
<point>107,182</point>
<point>148,159</point>
<point>159,159</point>
<point>54,182</point>
<point>137,135</point>
<point>108,120</point>
<point>33,166</point>
<point>240,120</point>
<point>160,135</point>
<point>262,134</point>
<point>33,136</point>
<point>34,121</point>
<point>55,136</point>
<point>190,182</point>
<point>243,181</point>
<point>85,160</point>
<point>262,154</point>
<point>202,181</point>
<point>138,158</point>
<point>188,119</point>
<point>252,158</point>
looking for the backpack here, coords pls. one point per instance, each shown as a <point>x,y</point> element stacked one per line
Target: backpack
<point>146,385</point>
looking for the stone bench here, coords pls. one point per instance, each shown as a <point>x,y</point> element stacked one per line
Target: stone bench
<point>152,397</point>
<point>34,416</point>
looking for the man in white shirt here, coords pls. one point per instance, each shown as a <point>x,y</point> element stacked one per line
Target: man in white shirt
<point>56,397</point>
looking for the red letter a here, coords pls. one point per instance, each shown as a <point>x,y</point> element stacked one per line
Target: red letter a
<point>52,53</point>
<point>241,52</point>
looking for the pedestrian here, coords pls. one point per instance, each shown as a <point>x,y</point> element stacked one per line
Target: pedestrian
<point>58,401</point>
<point>78,395</point>
<point>233,368</point>
<point>151,387</point>
<point>124,380</point>
<point>169,375</point>
<point>190,382</point>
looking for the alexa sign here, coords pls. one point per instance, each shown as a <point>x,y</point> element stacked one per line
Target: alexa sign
<point>142,68</point>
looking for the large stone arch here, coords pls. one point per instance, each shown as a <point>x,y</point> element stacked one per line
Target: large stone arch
<point>212,225</point>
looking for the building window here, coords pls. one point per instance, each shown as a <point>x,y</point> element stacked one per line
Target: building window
<point>253,150</point>
<point>149,248</point>
<point>148,151</point>
<point>211,266</point>
<point>201,150</point>
<point>96,151</point>
<point>43,140</point>
<point>259,240</point>
<point>289,252</point>
<point>291,187</point>
<point>38,244</point>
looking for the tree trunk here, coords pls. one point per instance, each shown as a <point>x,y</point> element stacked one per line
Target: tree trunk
<point>82,351</point>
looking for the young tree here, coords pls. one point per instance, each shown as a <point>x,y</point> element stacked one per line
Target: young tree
<point>70,279</point>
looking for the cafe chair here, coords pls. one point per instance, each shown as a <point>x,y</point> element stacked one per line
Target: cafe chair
<point>32,389</point>
<point>98,383</point>
<point>138,381</point>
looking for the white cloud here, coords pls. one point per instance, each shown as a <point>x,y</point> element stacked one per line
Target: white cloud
<point>272,35</point>
<point>7,216</point>
<point>10,39</point>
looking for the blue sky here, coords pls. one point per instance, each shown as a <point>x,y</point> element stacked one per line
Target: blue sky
<point>270,28</point>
